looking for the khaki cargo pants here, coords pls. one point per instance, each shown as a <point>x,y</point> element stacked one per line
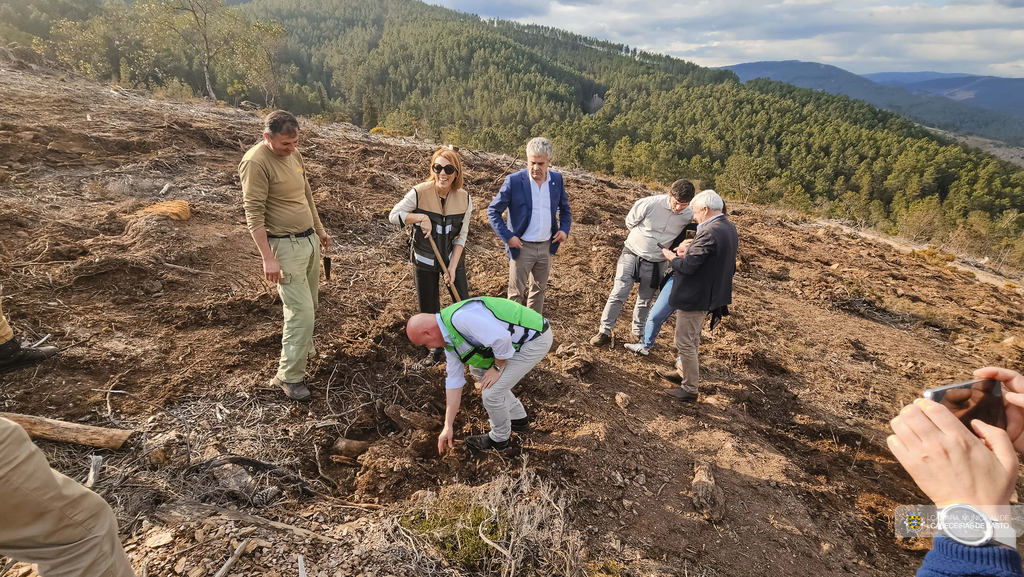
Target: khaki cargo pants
<point>48,519</point>
<point>299,258</point>
<point>6,333</point>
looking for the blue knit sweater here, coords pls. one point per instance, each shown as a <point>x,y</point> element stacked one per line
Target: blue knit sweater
<point>951,559</point>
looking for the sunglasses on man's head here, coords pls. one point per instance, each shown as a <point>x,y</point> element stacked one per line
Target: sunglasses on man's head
<point>448,168</point>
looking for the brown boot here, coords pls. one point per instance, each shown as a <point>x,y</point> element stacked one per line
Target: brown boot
<point>295,391</point>
<point>600,340</point>
<point>679,393</point>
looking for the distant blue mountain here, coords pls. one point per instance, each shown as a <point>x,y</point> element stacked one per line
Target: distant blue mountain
<point>904,78</point>
<point>953,103</point>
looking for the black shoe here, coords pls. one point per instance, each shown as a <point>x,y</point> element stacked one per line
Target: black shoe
<point>670,375</point>
<point>521,425</point>
<point>13,356</point>
<point>484,443</point>
<point>680,394</point>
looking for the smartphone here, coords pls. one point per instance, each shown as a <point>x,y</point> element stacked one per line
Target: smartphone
<point>980,399</point>
<point>691,234</point>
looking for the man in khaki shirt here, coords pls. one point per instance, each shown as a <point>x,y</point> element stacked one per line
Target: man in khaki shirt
<point>286,228</point>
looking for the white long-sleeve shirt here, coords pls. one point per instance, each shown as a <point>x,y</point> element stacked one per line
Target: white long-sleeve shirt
<point>478,325</point>
<point>408,204</point>
<point>539,229</point>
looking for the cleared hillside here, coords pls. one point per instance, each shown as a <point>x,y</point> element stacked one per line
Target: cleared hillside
<point>830,334</point>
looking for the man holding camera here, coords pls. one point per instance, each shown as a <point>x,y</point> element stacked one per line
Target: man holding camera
<point>702,284</point>
<point>653,222</point>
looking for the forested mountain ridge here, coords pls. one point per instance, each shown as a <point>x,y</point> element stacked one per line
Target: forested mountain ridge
<point>991,115</point>
<point>408,67</point>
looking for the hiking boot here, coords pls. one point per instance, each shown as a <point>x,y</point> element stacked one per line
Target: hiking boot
<point>521,425</point>
<point>638,348</point>
<point>295,391</point>
<point>670,375</point>
<point>13,356</point>
<point>485,443</point>
<point>600,340</point>
<point>680,394</point>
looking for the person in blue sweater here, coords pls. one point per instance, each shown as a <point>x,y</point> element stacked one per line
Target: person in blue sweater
<point>957,469</point>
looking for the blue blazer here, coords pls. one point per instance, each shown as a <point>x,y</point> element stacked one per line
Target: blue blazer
<point>517,196</point>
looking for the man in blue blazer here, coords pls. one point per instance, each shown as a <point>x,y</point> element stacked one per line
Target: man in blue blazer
<point>539,216</point>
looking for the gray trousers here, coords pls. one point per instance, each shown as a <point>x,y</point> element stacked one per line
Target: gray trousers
<point>501,405</point>
<point>533,265</point>
<point>688,327</point>
<point>620,293</point>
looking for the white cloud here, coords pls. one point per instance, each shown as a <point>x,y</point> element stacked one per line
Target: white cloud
<point>974,36</point>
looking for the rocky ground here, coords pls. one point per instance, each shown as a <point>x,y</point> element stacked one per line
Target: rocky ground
<point>830,334</point>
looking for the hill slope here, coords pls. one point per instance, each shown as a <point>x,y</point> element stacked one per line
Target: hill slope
<point>799,383</point>
<point>927,104</point>
<point>410,68</point>
<point>903,78</point>
<point>999,94</point>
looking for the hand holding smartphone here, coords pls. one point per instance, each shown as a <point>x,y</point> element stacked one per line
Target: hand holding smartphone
<point>980,399</point>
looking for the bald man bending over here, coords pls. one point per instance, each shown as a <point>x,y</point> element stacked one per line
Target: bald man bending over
<point>500,340</point>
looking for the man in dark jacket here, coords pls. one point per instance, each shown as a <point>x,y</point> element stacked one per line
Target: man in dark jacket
<point>702,283</point>
<point>538,221</point>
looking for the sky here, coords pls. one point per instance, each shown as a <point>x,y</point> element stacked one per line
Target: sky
<point>970,36</point>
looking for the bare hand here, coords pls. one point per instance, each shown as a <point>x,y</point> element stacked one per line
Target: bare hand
<point>272,270</point>
<point>685,245</point>
<point>425,225</point>
<point>559,236</point>
<point>950,464</point>
<point>444,440</point>
<point>450,276</point>
<point>326,240</point>
<point>1013,399</point>
<point>514,242</point>
<point>489,378</point>
<point>669,255</point>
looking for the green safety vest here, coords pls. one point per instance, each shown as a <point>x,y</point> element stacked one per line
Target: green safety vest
<point>524,324</point>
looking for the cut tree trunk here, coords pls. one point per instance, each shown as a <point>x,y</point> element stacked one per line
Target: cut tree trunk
<point>54,430</point>
<point>708,497</point>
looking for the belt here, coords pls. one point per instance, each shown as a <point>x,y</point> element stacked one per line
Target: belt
<point>302,234</point>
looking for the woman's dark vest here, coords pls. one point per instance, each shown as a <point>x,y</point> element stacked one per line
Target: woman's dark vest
<point>446,221</point>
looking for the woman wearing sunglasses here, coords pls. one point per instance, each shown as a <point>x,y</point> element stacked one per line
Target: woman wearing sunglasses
<point>441,208</point>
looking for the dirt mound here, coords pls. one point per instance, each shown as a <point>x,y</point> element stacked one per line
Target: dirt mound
<point>830,334</point>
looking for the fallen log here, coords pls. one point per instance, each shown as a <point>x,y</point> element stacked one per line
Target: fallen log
<point>55,430</point>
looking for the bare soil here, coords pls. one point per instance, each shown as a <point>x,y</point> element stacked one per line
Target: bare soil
<point>830,334</point>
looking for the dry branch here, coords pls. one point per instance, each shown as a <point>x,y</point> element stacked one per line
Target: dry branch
<point>233,559</point>
<point>55,430</point>
<point>191,510</point>
<point>94,471</point>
